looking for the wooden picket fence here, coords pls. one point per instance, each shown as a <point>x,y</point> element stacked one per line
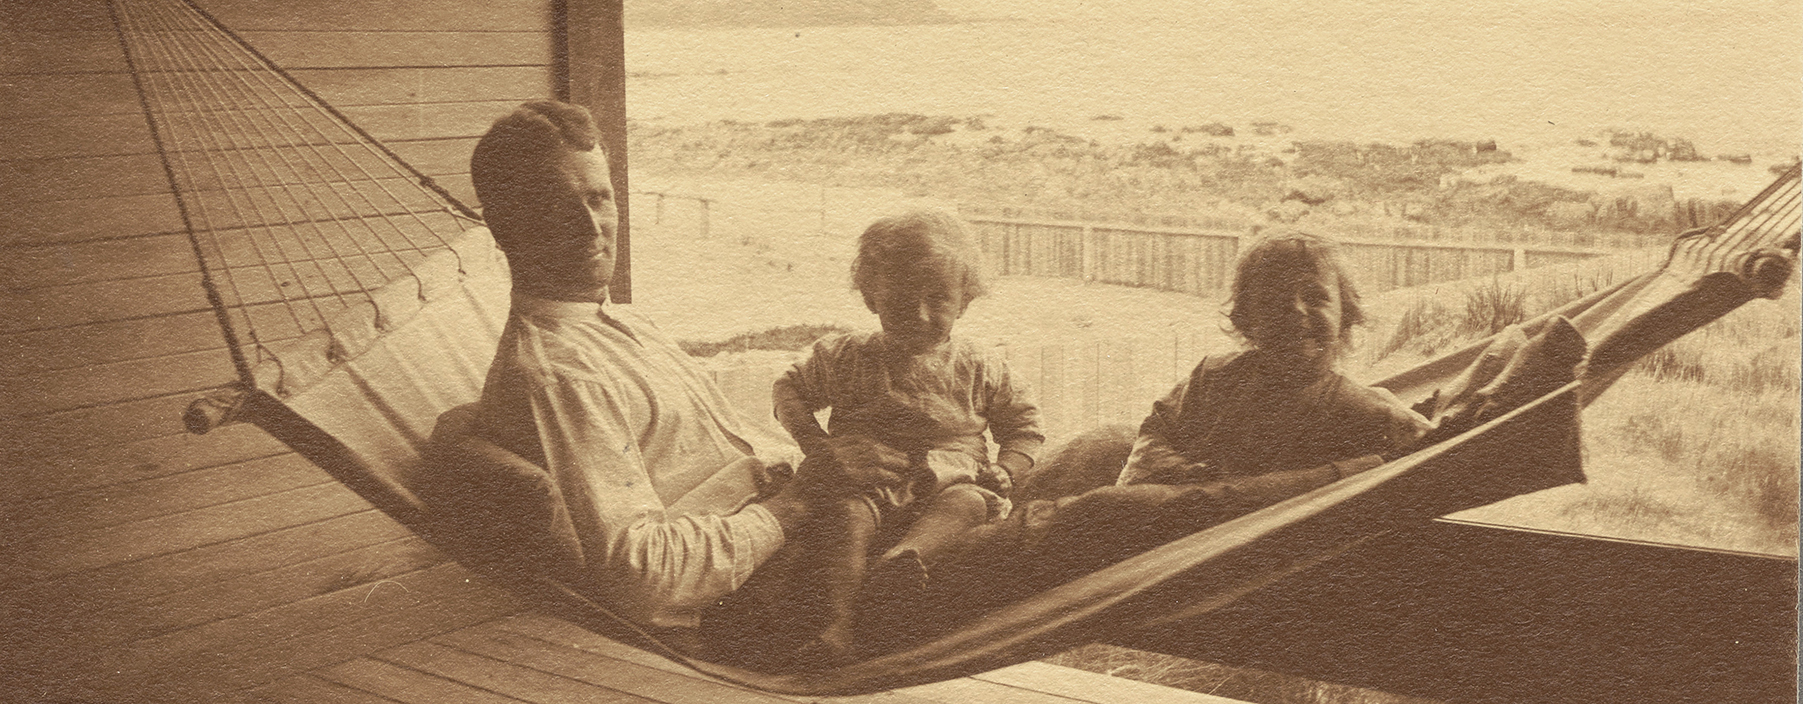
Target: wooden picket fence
<point>1200,261</point>
<point>1077,384</point>
<point>1082,383</point>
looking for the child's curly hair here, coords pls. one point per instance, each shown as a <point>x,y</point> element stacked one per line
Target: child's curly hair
<point>914,239</point>
<point>1279,257</point>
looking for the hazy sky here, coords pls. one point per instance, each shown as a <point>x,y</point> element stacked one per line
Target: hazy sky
<point>1729,75</point>
<point>1743,55</point>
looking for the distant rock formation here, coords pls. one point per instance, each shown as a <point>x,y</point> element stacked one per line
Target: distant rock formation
<point>781,13</point>
<point>1647,148</point>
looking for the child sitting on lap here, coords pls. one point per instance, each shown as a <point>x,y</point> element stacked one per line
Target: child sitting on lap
<point>914,389</point>
<point>1281,403</point>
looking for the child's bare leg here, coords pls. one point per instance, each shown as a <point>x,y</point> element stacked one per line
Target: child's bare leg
<point>896,591</point>
<point>845,556</point>
<point>956,509</point>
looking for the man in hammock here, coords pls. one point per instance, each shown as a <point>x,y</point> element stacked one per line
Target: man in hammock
<point>651,464</point>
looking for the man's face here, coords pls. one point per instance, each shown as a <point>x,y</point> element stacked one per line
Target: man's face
<point>575,223</point>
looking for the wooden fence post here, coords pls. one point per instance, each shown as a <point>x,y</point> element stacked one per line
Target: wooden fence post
<point>1086,251</point>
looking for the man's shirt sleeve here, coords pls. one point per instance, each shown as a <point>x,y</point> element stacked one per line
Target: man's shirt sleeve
<point>661,568</point>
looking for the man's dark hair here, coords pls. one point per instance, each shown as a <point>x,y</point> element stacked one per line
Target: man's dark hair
<point>513,166</point>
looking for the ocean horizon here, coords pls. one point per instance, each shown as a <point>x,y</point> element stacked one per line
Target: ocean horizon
<point>1728,79</point>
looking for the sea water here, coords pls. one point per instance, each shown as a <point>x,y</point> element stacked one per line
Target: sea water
<point>1535,76</point>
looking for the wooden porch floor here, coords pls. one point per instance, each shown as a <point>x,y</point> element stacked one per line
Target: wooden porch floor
<point>531,658</point>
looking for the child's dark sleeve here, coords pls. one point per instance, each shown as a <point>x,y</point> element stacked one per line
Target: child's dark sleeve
<point>801,391</point>
<point>1155,458</point>
<point>1013,417</point>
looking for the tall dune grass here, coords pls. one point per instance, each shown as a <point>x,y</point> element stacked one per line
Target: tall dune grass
<point>1697,444</point>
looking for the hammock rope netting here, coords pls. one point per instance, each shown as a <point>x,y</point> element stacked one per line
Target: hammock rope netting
<point>361,302</point>
<point>297,215</point>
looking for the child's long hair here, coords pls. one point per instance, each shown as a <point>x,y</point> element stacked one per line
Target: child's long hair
<point>1278,258</point>
<point>914,239</point>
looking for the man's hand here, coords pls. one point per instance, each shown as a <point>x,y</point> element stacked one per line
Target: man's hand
<point>855,464</point>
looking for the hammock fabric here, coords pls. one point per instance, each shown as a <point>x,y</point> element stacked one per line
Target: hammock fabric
<point>367,419</point>
<point>360,303</point>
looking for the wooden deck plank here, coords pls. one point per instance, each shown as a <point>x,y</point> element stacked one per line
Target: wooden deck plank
<point>89,548</point>
<point>69,16</point>
<point>43,265</point>
<point>79,346</point>
<point>122,422</point>
<point>442,157</point>
<point>1094,687</point>
<point>27,180</point>
<point>101,301</point>
<point>78,49</point>
<point>566,634</point>
<point>419,121</point>
<point>498,676</point>
<point>971,690</point>
<point>69,389</point>
<point>300,50</point>
<point>254,649</point>
<point>307,689</point>
<point>254,593</point>
<point>41,472</point>
<point>353,229</point>
<point>95,217</point>
<point>140,500</point>
<point>480,603</point>
<point>1027,683</point>
<point>407,685</point>
<point>43,94</point>
<point>62,599</point>
<point>618,675</point>
<point>391,15</point>
<point>76,136</point>
<point>344,88</point>
<point>317,613</point>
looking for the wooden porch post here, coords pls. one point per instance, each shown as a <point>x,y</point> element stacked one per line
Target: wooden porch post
<point>590,46</point>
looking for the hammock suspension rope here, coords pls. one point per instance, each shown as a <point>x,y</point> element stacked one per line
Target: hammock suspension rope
<point>294,212</point>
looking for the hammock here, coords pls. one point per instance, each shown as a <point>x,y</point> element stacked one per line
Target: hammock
<point>360,302</point>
